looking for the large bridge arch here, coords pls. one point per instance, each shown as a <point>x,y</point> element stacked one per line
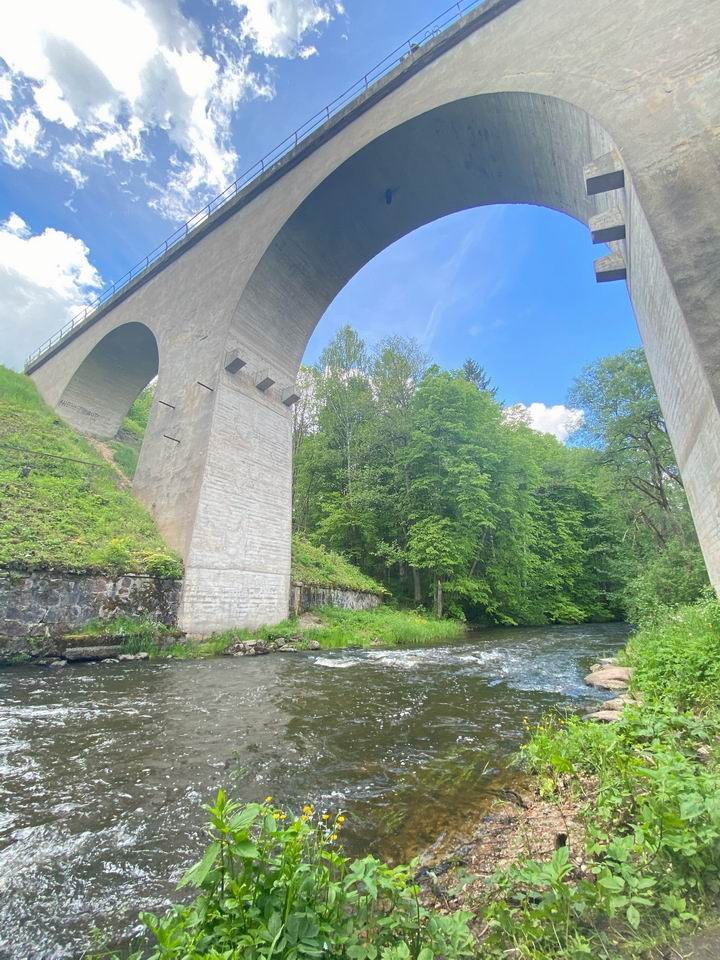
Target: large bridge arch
<point>493,148</point>
<point>104,386</point>
<point>509,105</point>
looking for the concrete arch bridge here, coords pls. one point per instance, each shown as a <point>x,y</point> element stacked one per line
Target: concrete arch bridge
<point>609,112</point>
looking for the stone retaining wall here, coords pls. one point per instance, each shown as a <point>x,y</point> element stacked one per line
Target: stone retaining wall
<point>305,597</point>
<point>36,609</point>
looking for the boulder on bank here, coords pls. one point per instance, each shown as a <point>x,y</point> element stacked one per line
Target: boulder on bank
<point>610,678</point>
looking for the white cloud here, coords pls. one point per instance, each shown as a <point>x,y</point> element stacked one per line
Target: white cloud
<point>6,92</point>
<point>276,28</point>
<point>44,279</point>
<point>20,138</point>
<point>104,78</point>
<point>559,420</point>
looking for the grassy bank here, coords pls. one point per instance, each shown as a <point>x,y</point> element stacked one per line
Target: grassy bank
<point>62,506</point>
<point>384,626</point>
<point>647,792</point>
<point>319,567</point>
<point>331,627</point>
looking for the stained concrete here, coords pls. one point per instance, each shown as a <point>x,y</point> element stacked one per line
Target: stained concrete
<point>523,101</point>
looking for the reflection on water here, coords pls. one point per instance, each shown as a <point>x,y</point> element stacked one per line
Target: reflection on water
<point>103,768</point>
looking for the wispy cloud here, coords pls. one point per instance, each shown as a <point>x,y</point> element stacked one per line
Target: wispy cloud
<point>115,82</point>
<point>466,278</point>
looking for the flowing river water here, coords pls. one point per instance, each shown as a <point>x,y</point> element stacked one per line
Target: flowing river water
<point>104,768</point>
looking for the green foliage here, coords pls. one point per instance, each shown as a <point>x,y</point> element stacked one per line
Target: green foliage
<point>316,566</point>
<point>126,456</point>
<point>677,658</point>
<point>126,446</point>
<point>660,561</point>
<point>417,476</point>
<point>58,513</point>
<point>652,848</point>
<point>335,628</point>
<point>668,578</point>
<point>276,885</point>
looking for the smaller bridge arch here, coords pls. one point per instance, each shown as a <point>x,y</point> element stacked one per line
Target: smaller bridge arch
<point>102,389</point>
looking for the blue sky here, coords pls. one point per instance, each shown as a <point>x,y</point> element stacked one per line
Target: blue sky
<point>119,116</point>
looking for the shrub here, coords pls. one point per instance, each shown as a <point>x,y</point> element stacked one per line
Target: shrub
<point>162,563</point>
<point>673,577</point>
<point>677,659</point>
<point>115,556</point>
<point>275,885</point>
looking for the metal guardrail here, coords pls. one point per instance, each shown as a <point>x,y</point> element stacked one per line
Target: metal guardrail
<point>258,169</point>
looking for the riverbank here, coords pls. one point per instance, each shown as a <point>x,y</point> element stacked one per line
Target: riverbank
<point>612,848</point>
<point>326,628</point>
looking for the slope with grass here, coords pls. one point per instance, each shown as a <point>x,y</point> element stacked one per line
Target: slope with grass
<point>61,503</point>
<point>317,567</point>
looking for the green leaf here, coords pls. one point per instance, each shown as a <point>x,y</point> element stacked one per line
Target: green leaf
<point>633,917</point>
<point>196,875</point>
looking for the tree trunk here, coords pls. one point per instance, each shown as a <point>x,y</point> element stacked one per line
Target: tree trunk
<point>439,598</point>
<point>417,585</point>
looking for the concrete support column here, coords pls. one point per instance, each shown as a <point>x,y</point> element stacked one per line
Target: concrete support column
<point>686,382</point>
<point>237,567</point>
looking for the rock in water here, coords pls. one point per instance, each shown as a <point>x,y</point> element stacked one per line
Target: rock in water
<point>610,678</point>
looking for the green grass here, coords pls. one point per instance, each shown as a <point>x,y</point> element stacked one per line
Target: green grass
<point>319,567</point>
<point>337,628</point>
<point>331,627</point>
<point>648,787</point>
<point>126,446</point>
<point>56,513</point>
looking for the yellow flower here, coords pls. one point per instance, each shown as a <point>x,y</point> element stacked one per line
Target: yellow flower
<point>333,836</point>
<point>268,799</point>
<point>326,816</point>
<point>307,810</point>
<point>276,815</point>
<point>283,816</point>
<point>341,819</point>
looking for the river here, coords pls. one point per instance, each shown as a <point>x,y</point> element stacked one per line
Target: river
<point>104,767</point>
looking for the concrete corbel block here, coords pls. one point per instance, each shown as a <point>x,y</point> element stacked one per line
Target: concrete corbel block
<point>607,226</point>
<point>289,396</point>
<point>234,362</point>
<point>263,381</point>
<point>605,173</point>
<point>611,267</point>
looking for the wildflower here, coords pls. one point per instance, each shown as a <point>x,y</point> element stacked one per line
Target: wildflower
<point>341,819</point>
<point>268,799</point>
<point>283,816</point>
<point>333,836</point>
<point>326,816</point>
<point>308,810</point>
<point>276,815</point>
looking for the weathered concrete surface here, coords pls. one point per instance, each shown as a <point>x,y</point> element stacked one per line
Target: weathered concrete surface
<point>307,597</point>
<point>510,106</point>
<point>38,608</point>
